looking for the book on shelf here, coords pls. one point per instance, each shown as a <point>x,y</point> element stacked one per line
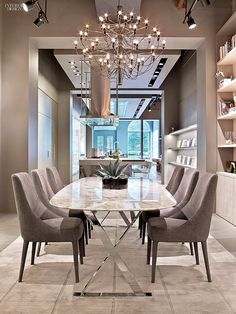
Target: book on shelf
<point>226,107</point>
<point>227,47</point>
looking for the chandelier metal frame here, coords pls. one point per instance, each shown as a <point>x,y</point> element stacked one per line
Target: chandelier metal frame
<point>124,47</point>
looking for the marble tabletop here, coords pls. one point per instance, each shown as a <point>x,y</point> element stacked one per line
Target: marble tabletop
<point>88,194</point>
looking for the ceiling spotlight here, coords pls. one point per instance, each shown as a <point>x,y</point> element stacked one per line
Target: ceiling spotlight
<point>149,108</point>
<point>28,5</point>
<point>41,19</point>
<point>191,23</point>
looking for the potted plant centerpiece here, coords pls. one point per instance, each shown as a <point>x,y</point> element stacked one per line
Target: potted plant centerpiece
<point>113,175</point>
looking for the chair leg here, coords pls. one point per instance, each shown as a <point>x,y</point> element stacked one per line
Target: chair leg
<point>141,227</point>
<point>23,257</point>
<point>83,244</point>
<point>205,255</point>
<point>76,262</point>
<point>89,229</point>
<point>139,222</point>
<point>143,232</point>
<point>33,252</point>
<point>38,249</point>
<point>86,232</point>
<point>154,259</point>
<point>191,248</point>
<point>81,250</point>
<point>149,245</point>
<point>196,252</point>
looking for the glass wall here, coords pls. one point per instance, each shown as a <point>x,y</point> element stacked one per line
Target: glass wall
<point>134,145</point>
<point>134,138</point>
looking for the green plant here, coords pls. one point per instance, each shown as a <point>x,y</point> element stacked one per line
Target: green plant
<point>116,154</point>
<point>115,170</point>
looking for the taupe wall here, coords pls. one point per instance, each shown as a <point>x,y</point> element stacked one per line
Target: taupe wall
<point>48,94</point>
<point>1,10</point>
<point>49,74</point>
<point>63,157</point>
<point>188,90</point>
<point>180,89</point>
<point>21,40</point>
<point>54,83</point>
<point>171,88</point>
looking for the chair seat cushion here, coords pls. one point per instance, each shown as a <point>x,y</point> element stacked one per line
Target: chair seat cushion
<point>63,229</point>
<point>161,228</point>
<point>63,223</point>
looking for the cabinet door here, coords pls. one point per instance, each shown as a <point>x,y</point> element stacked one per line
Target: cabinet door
<point>225,197</point>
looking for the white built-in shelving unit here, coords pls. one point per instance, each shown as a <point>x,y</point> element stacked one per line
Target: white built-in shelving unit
<point>182,147</point>
<point>226,123</point>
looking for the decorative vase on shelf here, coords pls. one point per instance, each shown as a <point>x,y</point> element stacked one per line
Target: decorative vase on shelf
<point>113,175</point>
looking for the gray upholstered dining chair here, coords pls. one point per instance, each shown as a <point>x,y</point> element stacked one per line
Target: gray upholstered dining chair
<point>57,184</point>
<point>54,179</point>
<point>182,196</point>
<point>175,179</point>
<point>171,187</point>
<point>45,193</point>
<point>38,224</point>
<point>194,227</point>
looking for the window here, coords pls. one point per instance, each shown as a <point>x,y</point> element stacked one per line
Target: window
<point>147,147</point>
<point>100,142</point>
<point>134,139</point>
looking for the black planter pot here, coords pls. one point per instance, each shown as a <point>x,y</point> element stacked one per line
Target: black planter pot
<point>115,184</point>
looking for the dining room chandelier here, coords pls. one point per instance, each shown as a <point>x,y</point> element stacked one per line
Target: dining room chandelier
<point>124,46</point>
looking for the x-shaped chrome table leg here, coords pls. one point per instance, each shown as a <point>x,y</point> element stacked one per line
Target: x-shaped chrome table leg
<point>113,252</point>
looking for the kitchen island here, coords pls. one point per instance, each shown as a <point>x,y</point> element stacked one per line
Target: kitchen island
<point>88,166</point>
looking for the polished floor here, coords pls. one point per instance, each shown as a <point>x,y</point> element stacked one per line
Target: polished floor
<point>180,287</point>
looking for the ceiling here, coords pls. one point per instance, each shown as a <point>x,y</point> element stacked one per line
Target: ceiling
<point>141,82</point>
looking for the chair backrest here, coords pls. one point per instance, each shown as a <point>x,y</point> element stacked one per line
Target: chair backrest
<point>186,187</point>
<point>42,186</point>
<point>175,180</point>
<point>54,179</point>
<point>201,205</point>
<point>29,207</point>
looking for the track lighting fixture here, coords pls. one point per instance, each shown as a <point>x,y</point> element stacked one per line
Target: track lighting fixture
<point>188,12</point>
<point>28,5</point>
<point>191,23</point>
<point>42,14</point>
<point>41,19</point>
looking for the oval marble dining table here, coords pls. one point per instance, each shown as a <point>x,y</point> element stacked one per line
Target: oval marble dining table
<point>89,195</point>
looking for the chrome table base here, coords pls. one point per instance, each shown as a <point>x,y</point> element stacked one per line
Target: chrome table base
<point>113,252</point>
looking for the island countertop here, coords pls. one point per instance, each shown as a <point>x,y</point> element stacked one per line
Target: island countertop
<point>102,161</point>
